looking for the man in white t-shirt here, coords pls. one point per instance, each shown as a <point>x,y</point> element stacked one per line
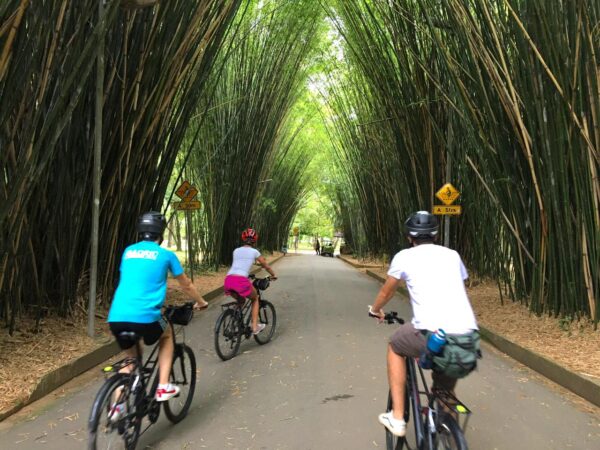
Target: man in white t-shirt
<point>434,277</point>
<point>237,280</point>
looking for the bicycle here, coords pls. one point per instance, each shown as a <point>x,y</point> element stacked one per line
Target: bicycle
<point>234,322</point>
<point>435,428</point>
<point>135,391</point>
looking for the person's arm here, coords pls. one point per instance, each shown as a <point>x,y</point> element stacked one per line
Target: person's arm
<point>188,287</point>
<point>263,262</point>
<point>385,294</point>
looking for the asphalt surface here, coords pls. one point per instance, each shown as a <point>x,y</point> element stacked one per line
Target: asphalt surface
<point>318,385</point>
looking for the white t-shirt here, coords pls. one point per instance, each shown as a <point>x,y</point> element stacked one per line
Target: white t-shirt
<point>435,277</point>
<point>243,258</point>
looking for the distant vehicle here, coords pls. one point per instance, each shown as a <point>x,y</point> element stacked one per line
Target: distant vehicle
<point>327,248</point>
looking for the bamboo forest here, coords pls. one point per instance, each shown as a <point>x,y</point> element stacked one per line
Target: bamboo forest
<point>334,117</point>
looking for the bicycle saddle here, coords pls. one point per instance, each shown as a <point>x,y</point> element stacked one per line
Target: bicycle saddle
<point>129,336</point>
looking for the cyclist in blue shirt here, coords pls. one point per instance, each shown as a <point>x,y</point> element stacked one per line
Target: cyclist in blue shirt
<point>140,295</point>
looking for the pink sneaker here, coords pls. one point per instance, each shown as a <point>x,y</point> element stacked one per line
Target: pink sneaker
<point>116,411</point>
<point>164,393</point>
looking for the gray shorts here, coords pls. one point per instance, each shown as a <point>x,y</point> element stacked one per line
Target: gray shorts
<point>408,341</point>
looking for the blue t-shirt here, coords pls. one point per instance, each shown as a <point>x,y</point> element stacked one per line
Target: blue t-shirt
<point>143,284</point>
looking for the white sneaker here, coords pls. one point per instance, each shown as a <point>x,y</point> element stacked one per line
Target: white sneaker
<point>116,412</point>
<point>395,426</point>
<point>259,328</point>
<point>166,392</point>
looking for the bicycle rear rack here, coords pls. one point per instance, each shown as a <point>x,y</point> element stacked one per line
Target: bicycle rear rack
<point>458,408</point>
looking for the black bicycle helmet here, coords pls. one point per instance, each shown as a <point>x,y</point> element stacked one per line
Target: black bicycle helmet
<point>151,225</point>
<point>422,224</point>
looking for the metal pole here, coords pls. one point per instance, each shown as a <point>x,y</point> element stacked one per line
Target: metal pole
<point>96,174</point>
<point>188,218</point>
<point>448,175</point>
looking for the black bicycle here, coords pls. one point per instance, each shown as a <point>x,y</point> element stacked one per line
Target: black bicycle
<point>134,392</point>
<point>436,413</point>
<point>234,322</point>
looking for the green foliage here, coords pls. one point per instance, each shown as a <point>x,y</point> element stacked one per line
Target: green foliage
<point>508,92</point>
<point>156,64</point>
<point>244,142</point>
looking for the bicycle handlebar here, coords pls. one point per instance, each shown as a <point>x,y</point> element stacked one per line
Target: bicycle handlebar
<point>252,276</point>
<point>390,318</point>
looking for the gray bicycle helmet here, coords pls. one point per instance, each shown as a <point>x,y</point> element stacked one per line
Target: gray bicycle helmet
<point>151,225</point>
<point>422,224</point>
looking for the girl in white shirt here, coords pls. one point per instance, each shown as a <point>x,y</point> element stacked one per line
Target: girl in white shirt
<point>237,282</point>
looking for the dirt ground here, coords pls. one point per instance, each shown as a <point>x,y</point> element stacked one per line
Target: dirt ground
<point>31,353</point>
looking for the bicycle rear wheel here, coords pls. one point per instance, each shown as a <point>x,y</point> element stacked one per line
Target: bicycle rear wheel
<point>266,315</point>
<point>449,436</point>
<point>183,374</point>
<point>107,428</point>
<point>228,334</point>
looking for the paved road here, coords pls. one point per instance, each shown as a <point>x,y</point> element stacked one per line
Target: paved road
<point>319,384</point>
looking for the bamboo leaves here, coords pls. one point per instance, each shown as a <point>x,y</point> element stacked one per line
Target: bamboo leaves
<point>523,80</point>
<point>241,142</point>
<point>157,62</point>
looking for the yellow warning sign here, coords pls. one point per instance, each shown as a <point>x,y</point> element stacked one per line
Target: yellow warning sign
<point>447,194</point>
<point>186,192</point>
<point>187,206</point>
<point>447,210</point>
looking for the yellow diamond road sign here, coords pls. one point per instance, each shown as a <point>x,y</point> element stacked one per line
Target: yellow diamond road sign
<point>447,194</point>
<point>186,192</point>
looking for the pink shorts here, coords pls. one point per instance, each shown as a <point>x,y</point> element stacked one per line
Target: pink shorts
<point>239,284</point>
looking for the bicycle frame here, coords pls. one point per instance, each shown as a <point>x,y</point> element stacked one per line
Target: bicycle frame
<point>414,397</point>
<point>425,430</point>
<point>415,377</point>
<point>243,308</point>
<point>243,305</point>
<point>144,371</point>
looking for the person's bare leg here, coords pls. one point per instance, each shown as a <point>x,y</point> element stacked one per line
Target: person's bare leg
<point>129,353</point>
<point>397,381</point>
<point>166,349</point>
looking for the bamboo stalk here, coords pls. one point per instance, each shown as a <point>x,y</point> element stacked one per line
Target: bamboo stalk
<point>4,58</point>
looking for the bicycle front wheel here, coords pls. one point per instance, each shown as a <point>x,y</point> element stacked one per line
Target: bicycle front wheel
<point>449,436</point>
<point>183,374</point>
<point>114,421</point>
<point>266,315</point>
<point>228,334</point>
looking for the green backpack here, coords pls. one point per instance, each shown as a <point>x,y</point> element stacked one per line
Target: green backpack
<point>460,354</point>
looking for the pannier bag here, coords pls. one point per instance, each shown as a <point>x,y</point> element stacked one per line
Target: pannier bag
<point>459,356</point>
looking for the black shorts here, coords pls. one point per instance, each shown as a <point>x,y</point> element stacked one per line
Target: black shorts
<point>150,332</point>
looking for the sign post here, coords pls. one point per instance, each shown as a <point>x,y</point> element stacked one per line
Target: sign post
<point>296,235</point>
<point>187,193</point>
<point>97,176</point>
<point>188,222</point>
<point>448,195</point>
